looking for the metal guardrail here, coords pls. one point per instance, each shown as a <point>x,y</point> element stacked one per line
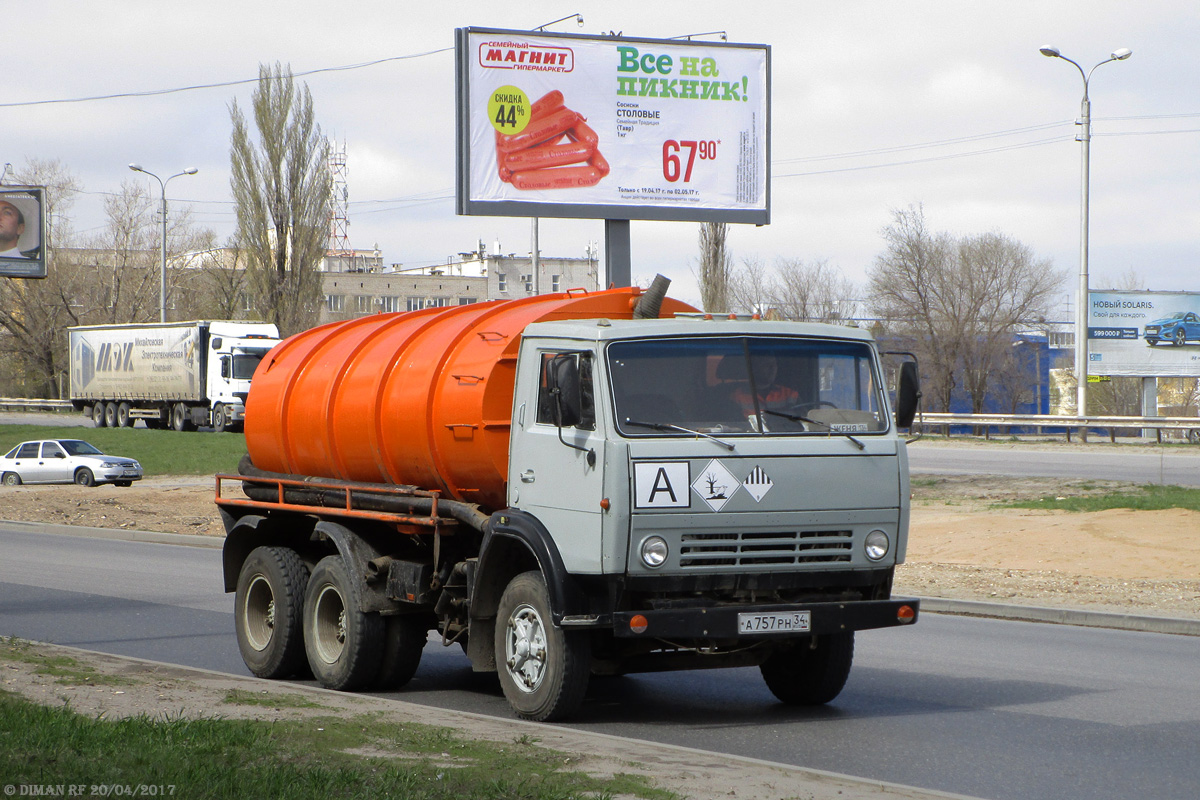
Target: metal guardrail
<point>33,404</point>
<point>1189,426</point>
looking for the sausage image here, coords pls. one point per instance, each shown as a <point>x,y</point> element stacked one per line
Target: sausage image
<point>548,155</point>
<point>545,104</point>
<point>582,132</point>
<point>560,178</point>
<point>538,130</point>
<point>556,150</point>
<point>599,162</point>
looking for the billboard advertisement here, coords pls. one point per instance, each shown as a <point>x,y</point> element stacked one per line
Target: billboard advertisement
<point>22,232</point>
<point>564,125</point>
<point>1145,334</point>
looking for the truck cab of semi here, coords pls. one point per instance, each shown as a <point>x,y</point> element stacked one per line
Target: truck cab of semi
<point>235,351</point>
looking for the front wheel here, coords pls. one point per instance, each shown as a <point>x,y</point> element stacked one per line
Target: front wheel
<point>543,670</point>
<point>344,644</point>
<point>84,477</point>
<point>1180,338</point>
<point>268,609</point>
<point>218,418</point>
<point>812,672</point>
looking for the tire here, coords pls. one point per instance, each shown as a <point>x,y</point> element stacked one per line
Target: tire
<point>806,676</point>
<point>269,611</point>
<point>12,479</point>
<point>123,420</point>
<point>180,418</point>
<point>403,642</point>
<point>218,419</point>
<point>344,645</point>
<point>110,415</point>
<point>1180,337</point>
<point>98,415</point>
<point>84,477</point>
<point>543,670</point>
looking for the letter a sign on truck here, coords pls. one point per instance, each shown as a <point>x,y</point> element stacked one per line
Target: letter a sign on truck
<point>562,125</point>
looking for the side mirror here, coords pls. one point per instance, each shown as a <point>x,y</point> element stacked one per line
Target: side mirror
<point>563,378</point>
<point>60,455</point>
<point>225,371</point>
<point>908,394</point>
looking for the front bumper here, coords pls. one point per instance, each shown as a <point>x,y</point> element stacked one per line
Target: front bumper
<point>721,622</point>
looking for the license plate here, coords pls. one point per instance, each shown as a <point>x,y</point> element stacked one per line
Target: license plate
<point>791,622</point>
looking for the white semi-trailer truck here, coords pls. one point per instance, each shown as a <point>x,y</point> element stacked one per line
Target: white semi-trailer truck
<point>181,375</point>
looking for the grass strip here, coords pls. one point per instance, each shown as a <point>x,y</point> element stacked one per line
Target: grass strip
<point>358,757</point>
<point>1151,497</point>
<point>159,452</point>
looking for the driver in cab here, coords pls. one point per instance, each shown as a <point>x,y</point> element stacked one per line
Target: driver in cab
<point>766,391</point>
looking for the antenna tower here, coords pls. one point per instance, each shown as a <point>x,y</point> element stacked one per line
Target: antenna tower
<point>339,211</point>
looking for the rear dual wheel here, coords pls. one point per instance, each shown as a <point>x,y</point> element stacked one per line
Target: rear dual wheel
<point>268,612</point>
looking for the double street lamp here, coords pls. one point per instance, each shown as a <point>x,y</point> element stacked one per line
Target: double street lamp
<point>1081,304</point>
<point>162,272</point>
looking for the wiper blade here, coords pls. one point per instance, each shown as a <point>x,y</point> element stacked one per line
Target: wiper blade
<point>666,426</point>
<point>829,428</point>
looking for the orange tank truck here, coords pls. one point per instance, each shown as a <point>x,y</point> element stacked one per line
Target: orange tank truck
<point>565,486</point>
<point>421,398</point>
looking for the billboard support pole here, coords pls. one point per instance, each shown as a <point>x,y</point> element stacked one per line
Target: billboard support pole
<point>616,252</point>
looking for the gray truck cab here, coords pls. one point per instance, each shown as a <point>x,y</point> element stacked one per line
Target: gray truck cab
<point>710,449</point>
<point>702,493</point>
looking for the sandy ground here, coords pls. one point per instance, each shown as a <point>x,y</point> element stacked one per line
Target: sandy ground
<point>959,547</point>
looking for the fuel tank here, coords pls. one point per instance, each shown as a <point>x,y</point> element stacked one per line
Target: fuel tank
<point>421,398</point>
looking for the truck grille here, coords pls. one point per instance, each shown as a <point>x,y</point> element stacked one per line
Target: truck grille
<point>744,549</point>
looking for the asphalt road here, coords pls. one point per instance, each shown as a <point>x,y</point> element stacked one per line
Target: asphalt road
<point>1171,466</point>
<point>1001,710</point>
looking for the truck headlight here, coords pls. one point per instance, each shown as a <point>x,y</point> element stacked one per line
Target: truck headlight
<point>654,551</point>
<point>876,545</point>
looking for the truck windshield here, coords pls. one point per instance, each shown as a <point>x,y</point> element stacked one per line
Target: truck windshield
<point>745,385</point>
<point>244,364</point>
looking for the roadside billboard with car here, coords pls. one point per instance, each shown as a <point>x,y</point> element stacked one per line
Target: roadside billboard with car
<point>1144,334</point>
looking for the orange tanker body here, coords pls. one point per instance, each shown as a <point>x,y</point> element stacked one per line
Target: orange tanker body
<point>568,485</point>
<point>421,398</point>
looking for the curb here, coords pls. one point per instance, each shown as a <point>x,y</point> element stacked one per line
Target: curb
<point>1061,616</point>
<point>120,534</point>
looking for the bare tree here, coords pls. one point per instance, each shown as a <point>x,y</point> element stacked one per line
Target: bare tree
<point>908,287</point>
<point>281,188</point>
<point>715,267</point>
<point>751,288</point>
<point>958,301</point>
<point>812,291</point>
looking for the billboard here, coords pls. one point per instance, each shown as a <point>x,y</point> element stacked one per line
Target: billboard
<point>22,232</point>
<point>1145,334</point>
<point>602,127</point>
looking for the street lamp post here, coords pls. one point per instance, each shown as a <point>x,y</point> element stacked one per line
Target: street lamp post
<point>162,270</point>
<point>1081,303</point>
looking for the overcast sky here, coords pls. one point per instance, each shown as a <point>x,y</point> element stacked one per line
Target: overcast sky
<point>876,106</point>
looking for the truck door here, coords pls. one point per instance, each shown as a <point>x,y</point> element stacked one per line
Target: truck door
<point>556,473</point>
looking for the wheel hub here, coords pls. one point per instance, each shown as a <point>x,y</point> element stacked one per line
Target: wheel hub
<point>525,648</point>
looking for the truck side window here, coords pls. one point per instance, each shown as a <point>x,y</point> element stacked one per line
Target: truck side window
<point>545,405</point>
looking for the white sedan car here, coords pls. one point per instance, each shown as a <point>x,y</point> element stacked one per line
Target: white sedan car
<point>66,461</point>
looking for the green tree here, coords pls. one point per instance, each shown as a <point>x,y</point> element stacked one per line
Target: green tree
<point>281,188</point>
